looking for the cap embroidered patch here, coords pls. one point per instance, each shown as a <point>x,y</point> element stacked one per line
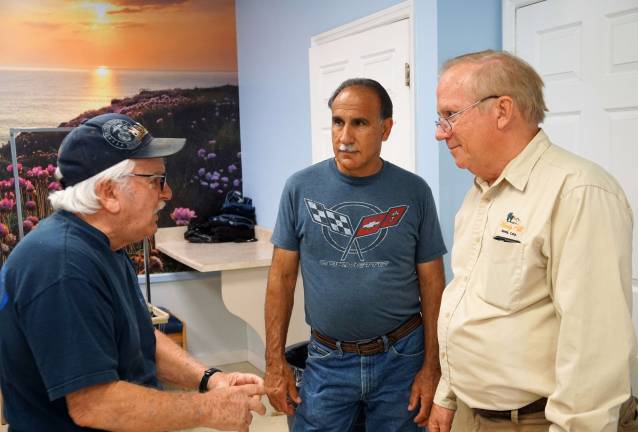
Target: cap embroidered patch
<point>123,134</point>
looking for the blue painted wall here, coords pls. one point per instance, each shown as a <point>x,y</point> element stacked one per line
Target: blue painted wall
<point>273,38</point>
<point>474,26</point>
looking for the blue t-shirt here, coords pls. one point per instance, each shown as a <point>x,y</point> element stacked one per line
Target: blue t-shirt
<point>72,316</point>
<point>359,240</point>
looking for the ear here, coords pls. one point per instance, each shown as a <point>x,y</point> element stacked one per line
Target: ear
<point>504,107</point>
<point>109,195</point>
<point>387,127</point>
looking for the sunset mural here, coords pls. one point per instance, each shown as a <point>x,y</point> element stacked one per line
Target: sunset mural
<point>170,64</point>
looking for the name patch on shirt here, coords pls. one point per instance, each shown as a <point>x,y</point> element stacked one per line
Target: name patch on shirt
<point>510,229</point>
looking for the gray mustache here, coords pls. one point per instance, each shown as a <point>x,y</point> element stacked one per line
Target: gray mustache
<point>346,148</point>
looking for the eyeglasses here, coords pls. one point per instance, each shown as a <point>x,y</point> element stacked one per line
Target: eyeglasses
<point>446,123</point>
<point>156,178</point>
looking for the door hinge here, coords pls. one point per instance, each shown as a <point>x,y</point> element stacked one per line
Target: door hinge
<point>407,74</point>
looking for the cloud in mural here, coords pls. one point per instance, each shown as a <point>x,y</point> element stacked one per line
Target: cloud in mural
<point>137,6</point>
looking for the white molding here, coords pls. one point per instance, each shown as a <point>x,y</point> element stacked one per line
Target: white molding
<point>386,16</point>
<point>509,21</point>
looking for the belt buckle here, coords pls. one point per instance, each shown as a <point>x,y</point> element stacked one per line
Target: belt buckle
<point>358,345</point>
<point>378,342</point>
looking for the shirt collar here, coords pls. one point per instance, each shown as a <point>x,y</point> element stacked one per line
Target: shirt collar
<point>518,170</point>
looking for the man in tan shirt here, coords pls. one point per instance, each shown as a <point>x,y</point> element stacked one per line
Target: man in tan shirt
<point>535,329</point>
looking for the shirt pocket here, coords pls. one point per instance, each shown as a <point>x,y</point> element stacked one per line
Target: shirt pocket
<point>503,273</point>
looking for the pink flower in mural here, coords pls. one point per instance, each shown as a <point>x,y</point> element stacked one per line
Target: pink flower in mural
<point>27,225</point>
<point>10,167</point>
<point>182,215</point>
<point>55,186</point>
<point>6,205</point>
<point>50,169</point>
<point>30,205</point>
<point>38,172</point>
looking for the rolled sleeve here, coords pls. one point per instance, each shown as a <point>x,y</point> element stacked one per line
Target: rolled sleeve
<point>444,396</point>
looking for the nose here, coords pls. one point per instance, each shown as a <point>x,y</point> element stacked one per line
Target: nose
<point>346,136</point>
<point>440,134</point>
<point>167,193</point>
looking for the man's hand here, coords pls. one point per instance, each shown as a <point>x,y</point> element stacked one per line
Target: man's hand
<point>281,388</point>
<point>440,419</point>
<point>231,408</point>
<point>222,379</point>
<point>422,394</point>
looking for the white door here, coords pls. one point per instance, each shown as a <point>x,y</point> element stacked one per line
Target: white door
<point>587,53</point>
<point>380,53</point>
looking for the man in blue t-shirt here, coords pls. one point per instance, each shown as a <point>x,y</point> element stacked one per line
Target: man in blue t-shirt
<point>366,235</point>
<point>77,347</point>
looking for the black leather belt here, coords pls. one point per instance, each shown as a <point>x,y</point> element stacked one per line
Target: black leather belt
<point>372,346</point>
<point>534,407</point>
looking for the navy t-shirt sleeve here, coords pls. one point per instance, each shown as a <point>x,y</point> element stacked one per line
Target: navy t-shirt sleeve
<point>430,245</point>
<point>70,330</point>
<point>284,235</point>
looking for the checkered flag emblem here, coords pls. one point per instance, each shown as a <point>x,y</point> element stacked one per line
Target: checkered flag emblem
<point>337,222</point>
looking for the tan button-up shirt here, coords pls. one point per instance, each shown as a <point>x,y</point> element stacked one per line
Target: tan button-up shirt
<point>540,303</point>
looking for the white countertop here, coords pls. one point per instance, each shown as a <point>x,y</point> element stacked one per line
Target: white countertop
<point>207,257</point>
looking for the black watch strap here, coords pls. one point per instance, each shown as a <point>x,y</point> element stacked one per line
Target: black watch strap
<point>203,384</point>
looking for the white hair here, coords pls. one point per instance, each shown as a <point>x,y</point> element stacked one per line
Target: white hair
<point>81,197</point>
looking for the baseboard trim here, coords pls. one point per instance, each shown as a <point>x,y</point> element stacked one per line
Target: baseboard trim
<point>226,357</point>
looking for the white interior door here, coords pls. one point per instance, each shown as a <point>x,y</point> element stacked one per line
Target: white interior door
<point>587,53</point>
<point>380,53</point>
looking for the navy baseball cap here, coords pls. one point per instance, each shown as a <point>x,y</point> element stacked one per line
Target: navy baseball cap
<point>106,140</point>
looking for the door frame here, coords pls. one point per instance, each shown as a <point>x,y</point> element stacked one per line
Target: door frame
<point>398,12</point>
<point>509,8</point>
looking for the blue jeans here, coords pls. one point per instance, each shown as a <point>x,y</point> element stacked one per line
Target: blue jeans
<point>336,385</point>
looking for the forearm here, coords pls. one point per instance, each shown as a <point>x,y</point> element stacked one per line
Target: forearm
<point>122,406</point>
<point>279,304</point>
<point>175,365</point>
<point>432,283</point>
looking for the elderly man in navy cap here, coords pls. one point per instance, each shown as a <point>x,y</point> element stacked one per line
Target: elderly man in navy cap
<point>77,348</point>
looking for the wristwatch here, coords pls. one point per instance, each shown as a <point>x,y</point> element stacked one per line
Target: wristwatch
<point>203,384</point>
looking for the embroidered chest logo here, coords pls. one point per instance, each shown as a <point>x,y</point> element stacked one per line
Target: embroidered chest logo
<point>510,229</point>
<point>350,239</point>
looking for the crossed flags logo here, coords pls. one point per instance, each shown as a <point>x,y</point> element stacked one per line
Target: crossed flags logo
<point>335,221</point>
<point>339,223</point>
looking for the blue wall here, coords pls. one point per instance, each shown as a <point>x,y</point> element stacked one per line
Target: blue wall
<point>475,26</point>
<point>273,38</point>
